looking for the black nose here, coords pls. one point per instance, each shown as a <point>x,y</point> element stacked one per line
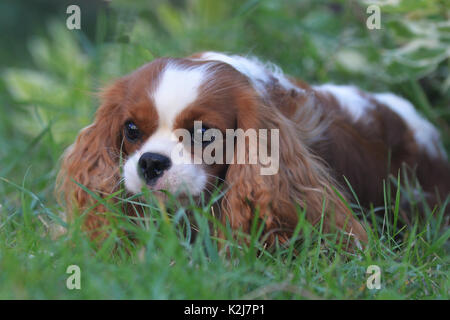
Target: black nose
<point>152,165</point>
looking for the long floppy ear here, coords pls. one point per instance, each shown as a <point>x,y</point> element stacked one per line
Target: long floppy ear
<point>93,160</point>
<point>302,179</point>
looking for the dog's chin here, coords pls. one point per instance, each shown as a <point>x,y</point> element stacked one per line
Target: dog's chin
<point>168,198</point>
<point>167,191</point>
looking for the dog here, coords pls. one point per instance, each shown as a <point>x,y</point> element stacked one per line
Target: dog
<point>324,136</point>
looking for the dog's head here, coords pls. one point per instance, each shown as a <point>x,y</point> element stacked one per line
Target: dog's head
<point>184,125</point>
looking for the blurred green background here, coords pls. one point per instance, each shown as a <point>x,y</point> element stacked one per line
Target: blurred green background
<point>49,74</point>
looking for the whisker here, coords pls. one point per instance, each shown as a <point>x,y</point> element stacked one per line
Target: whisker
<point>216,177</point>
<point>222,192</point>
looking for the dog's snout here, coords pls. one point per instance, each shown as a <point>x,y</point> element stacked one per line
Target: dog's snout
<point>151,166</point>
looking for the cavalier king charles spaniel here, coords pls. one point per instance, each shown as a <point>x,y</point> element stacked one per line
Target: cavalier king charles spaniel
<point>326,136</point>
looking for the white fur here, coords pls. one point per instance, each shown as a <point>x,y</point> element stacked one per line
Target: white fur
<point>132,181</point>
<point>177,88</point>
<point>257,72</point>
<point>349,99</point>
<point>183,176</point>
<point>425,134</point>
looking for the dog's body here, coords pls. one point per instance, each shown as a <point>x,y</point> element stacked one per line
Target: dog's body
<point>385,135</point>
<point>326,133</point>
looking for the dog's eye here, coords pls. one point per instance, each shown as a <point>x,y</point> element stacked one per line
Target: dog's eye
<point>132,132</point>
<point>197,135</point>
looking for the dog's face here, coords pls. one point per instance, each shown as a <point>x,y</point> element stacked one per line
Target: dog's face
<point>168,105</point>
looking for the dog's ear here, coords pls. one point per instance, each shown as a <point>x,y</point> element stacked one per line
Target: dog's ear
<point>302,179</point>
<point>93,160</point>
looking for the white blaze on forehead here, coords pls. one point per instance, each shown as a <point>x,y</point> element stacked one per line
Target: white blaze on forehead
<point>177,88</point>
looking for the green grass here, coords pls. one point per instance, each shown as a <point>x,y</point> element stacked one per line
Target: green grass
<point>165,261</point>
<point>44,105</point>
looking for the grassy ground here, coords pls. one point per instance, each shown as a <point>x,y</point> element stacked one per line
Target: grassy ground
<point>48,95</point>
